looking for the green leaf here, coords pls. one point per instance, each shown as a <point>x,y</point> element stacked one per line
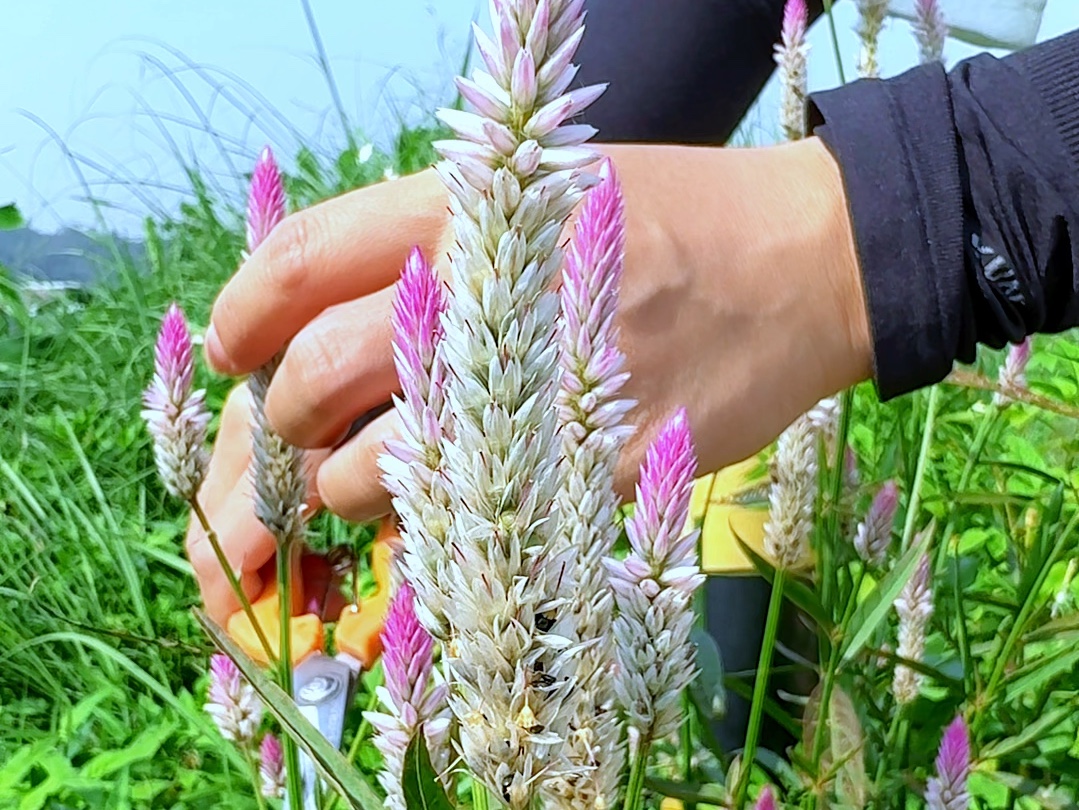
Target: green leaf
<point>419,781</point>
<point>795,590</point>
<point>868,615</point>
<point>1039,672</point>
<point>330,762</point>
<point>1028,736</point>
<point>10,218</point>
<point>707,690</point>
<point>143,747</point>
<point>1050,798</point>
<point>687,792</point>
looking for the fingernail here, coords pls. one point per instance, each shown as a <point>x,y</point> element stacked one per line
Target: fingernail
<point>215,352</point>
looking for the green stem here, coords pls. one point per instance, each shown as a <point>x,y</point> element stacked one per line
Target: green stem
<point>760,685</point>
<point>831,534</point>
<point>889,744</point>
<point>686,751</point>
<point>1029,605</point>
<point>919,473</point>
<point>284,614</point>
<point>635,789</point>
<point>830,673</point>
<point>256,778</point>
<point>989,419</point>
<point>835,41</point>
<point>480,800</point>
<point>234,581</point>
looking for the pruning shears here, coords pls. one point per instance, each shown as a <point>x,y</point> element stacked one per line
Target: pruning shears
<point>323,684</point>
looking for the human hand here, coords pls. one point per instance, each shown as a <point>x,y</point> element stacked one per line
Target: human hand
<point>741,299</point>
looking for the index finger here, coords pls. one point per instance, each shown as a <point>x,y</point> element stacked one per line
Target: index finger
<point>335,251</point>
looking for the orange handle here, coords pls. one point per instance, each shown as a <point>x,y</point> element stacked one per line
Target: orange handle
<point>306,630</point>
<point>359,629</point>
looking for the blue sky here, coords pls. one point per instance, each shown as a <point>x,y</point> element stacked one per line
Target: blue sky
<point>92,72</point>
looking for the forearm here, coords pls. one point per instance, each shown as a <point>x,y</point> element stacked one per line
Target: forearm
<point>963,191</point>
<point>680,71</point>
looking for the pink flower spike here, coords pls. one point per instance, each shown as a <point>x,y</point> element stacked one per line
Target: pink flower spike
<point>174,362</point>
<point>417,332</point>
<point>1013,374</point>
<point>766,800</point>
<point>663,492</point>
<point>407,651</point>
<point>266,200</point>
<point>272,767</point>
<point>930,30</point>
<point>874,534</point>
<point>795,20</point>
<point>948,789</point>
<point>231,702</point>
<point>175,416</point>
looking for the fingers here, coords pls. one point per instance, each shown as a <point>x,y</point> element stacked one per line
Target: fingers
<point>336,251</point>
<point>336,369</point>
<point>349,480</point>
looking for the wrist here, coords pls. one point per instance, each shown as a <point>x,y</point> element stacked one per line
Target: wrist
<point>834,262</point>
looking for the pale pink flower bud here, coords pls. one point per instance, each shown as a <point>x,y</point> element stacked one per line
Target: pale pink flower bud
<point>791,57</point>
<point>871,14</point>
<point>175,415</point>
<point>272,767</point>
<point>1013,376</point>
<point>948,789</point>
<point>766,799</point>
<point>793,495</point>
<point>231,702</point>
<point>930,30</point>
<point>915,607</point>
<point>874,534</point>
<point>277,468</point>
<point>265,201</point>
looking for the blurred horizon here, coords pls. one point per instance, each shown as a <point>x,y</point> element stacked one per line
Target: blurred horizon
<point>139,92</point>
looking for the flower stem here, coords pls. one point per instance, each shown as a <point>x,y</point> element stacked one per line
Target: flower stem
<point>835,41</point>
<point>256,780</point>
<point>889,744</point>
<point>479,794</point>
<point>919,474</point>
<point>234,582</point>
<point>357,741</point>
<point>829,676</point>
<point>760,685</point>
<point>284,616</point>
<point>635,788</point>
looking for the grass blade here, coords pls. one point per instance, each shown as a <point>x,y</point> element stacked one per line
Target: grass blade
<point>331,763</point>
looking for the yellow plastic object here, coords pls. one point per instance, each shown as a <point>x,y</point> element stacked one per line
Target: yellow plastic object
<point>724,502</point>
<point>306,631</point>
<point>359,628</point>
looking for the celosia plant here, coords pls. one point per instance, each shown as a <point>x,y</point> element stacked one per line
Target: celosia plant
<point>527,652</point>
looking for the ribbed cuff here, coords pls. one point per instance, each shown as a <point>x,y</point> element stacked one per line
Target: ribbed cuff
<point>1053,68</point>
<point>896,147</point>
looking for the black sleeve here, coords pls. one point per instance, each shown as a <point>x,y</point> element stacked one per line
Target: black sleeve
<point>963,190</point>
<point>680,71</point>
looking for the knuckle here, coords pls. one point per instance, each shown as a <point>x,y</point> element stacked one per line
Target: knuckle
<point>314,371</point>
<point>290,249</point>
